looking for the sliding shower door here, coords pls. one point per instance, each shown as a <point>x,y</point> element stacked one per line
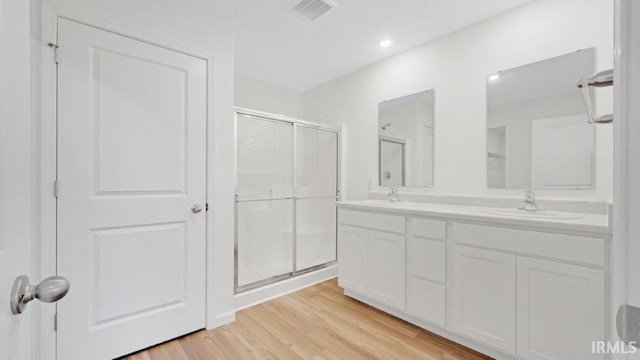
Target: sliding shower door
<point>264,200</point>
<point>316,190</point>
<point>287,186</point>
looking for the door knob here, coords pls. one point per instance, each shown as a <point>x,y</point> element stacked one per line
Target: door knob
<point>49,290</point>
<point>196,208</point>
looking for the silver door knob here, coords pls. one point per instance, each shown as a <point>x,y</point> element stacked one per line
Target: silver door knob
<point>196,209</point>
<point>49,290</point>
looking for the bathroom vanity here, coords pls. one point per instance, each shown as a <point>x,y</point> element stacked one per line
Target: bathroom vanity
<point>510,285</point>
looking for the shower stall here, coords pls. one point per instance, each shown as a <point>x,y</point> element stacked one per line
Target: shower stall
<point>287,184</point>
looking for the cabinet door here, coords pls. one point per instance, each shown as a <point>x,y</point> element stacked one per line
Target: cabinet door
<point>386,268</point>
<point>485,296</point>
<point>561,310</point>
<point>352,258</point>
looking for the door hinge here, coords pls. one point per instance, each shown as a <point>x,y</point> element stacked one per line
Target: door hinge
<point>206,207</point>
<point>55,322</point>
<point>55,188</point>
<point>55,50</point>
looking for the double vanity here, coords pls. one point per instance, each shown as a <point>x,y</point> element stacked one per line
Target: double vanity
<point>511,283</point>
<point>508,283</point>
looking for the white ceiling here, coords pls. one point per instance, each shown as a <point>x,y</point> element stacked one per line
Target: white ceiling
<point>277,45</point>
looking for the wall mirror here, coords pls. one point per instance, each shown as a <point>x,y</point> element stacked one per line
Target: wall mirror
<point>537,130</point>
<point>405,138</point>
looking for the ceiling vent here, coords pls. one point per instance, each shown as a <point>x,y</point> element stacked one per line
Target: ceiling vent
<point>313,9</point>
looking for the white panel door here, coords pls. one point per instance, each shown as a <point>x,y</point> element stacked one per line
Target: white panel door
<point>387,268</point>
<point>353,254</point>
<point>563,300</point>
<point>484,296</point>
<point>131,163</point>
<point>562,152</point>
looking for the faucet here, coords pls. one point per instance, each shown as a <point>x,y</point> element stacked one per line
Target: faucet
<point>393,195</point>
<point>530,202</point>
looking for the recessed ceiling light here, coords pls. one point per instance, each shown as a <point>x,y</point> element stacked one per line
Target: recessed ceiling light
<point>494,77</point>
<point>386,43</point>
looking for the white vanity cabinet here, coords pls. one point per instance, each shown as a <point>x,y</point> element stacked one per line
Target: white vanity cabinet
<point>558,306</point>
<point>484,295</point>
<point>512,292</point>
<point>373,260</point>
<point>557,300</point>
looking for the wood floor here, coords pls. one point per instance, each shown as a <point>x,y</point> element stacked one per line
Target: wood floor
<point>316,323</point>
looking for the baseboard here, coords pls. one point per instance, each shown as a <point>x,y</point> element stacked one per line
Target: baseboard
<point>223,319</point>
<point>273,291</point>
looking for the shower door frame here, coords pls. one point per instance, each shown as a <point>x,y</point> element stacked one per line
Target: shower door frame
<point>296,123</point>
<point>403,143</point>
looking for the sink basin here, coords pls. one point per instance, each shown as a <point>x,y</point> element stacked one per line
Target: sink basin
<point>386,202</point>
<point>533,214</point>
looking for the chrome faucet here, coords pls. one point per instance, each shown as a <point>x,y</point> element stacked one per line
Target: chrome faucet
<point>530,202</point>
<point>393,195</point>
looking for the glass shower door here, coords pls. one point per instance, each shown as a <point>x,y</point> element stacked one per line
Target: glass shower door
<point>264,204</point>
<point>391,164</point>
<point>316,191</point>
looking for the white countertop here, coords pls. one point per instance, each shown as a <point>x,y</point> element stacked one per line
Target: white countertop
<point>587,223</point>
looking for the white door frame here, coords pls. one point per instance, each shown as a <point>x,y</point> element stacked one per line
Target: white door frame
<point>625,208</point>
<point>46,159</point>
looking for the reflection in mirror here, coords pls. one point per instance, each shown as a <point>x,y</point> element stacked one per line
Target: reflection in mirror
<point>537,130</point>
<point>405,130</point>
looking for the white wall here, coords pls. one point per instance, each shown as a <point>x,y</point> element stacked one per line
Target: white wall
<point>456,67</point>
<point>192,26</point>
<point>264,96</point>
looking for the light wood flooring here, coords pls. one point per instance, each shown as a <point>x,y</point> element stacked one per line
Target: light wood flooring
<point>315,323</point>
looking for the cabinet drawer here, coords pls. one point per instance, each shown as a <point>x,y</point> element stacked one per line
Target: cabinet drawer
<point>427,259</point>
<point>426,300</point>
<point>432,229</point>
<point>560,246</point>
<point>376,221</point>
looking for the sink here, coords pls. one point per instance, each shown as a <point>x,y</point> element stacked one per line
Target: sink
<point>533,214</point>
<point>386,202</point>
